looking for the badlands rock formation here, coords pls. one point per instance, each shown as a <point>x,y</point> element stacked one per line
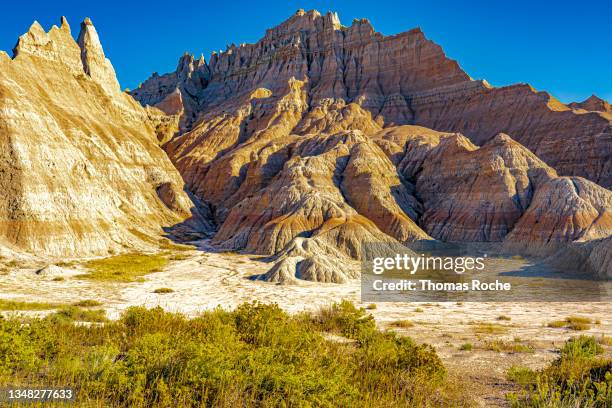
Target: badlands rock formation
<point>299,143</point>
<point>303,147</point>
<point>81,172</point>
<point>399,79</point>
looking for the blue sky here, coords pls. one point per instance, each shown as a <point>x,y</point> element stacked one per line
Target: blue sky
<point>564,48</point>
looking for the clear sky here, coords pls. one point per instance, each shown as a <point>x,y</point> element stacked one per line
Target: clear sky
<point>564,48</point>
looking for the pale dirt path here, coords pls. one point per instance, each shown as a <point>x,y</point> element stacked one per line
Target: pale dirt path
<point>205,280</point>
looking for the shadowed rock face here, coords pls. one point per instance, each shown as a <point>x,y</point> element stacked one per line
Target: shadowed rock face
<point>81,172</point>
<point>398,79</point>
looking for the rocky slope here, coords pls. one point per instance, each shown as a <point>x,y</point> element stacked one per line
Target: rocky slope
<point>81,172</point>
<point>399,79</point>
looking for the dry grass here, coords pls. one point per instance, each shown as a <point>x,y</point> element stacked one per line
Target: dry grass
<point>577,323</point>
<point>508,347</point>
<point>488,328</point>
<point>402,324</point>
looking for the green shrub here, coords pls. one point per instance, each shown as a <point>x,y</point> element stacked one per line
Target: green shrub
<point>580,377</point>
<point>74,313</point>
<point>466,347</point>
<point>520,375</point>
<point>254,356</point>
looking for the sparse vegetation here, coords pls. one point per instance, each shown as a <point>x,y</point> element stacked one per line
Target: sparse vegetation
<point>402,324</point>
<point>520,375</point>
<point>508,347</point>
<point>580,377</point>
<point>58,279</point>
<point>371,306</point>
<point>488,328</point>
<point>125,268</point>
<point>76,314</point>
<point>255,356</point>
<point>163,290</point>
<point>504,317</point>
<point>12,305</point>
<point>572,322</point>
<point>87,303</point>
<point>419,310</point>
<point>466,347</point>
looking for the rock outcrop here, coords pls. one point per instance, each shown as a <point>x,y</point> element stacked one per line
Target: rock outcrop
<point>81,172</point>
<point>563,210</point>
<point>594,104</point>
<point>299,144</point>
<point>398,79</point>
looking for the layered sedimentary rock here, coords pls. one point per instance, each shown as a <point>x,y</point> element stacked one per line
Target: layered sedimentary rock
<point>563,210</point>
<point>498,192</point>
<point>297,144</point>
<point>398,79</point>
<point>81,172</point>
<point>469,194</point>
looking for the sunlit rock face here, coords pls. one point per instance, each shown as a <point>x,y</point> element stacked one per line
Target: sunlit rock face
<point>398,79</point>
<point>81,171</point>
<point>307,144</point>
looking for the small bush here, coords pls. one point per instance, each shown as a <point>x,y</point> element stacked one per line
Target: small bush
<point>371,306</point>
<point>580,377</point>
<point>163,290</point>
<point>76,314</point>
<point>58,279</point>
<point>419,310</point>
<point>557,324</point>
<point>466,347</point>
<point>504,317</point>
<point>581,347</point>
<point>520,375</point>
